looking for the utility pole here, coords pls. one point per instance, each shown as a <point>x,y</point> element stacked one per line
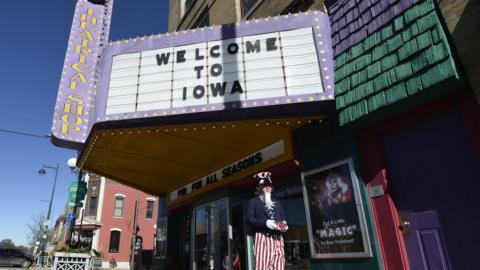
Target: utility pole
<point>134,235</point>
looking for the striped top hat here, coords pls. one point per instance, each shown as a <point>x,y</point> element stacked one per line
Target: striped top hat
<point>263,179</point>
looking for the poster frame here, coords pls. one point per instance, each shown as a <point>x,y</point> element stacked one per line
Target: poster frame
<point>367,250</point>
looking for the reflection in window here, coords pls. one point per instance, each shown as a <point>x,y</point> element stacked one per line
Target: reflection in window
<point>114,246</point>
<point>248,4</point>
<point>211,237</point>
<point>297,249</point>
<point>188,5</point>
<point>149,210</point>
<point>118,206</point>
<point>161,238</point>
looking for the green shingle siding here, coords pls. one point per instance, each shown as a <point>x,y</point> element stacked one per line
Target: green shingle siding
<point>406,56</point>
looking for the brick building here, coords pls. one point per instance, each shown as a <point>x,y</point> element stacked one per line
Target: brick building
<point>108,220</point>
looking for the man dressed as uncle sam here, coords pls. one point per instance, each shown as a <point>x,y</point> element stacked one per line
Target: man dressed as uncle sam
<point>267,219</point>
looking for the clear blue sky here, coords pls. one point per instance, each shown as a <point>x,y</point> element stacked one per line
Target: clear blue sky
<point>33,42</point>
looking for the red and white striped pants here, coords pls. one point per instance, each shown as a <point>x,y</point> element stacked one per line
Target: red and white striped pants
<point>269,252</point>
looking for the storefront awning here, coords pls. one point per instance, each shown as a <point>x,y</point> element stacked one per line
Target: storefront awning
<point>163,158</point>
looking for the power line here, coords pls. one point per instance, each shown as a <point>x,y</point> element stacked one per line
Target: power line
<point>25,134</point>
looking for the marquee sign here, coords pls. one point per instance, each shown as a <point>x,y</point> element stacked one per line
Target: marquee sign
<point>262,156</point>
<point>89,31</point>
<point>264,62</point>
<point>269,65</point>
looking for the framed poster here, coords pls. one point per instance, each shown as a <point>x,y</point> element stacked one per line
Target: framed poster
<point>334,210</point>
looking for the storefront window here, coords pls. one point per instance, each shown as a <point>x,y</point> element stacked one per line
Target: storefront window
<point>211,236</point>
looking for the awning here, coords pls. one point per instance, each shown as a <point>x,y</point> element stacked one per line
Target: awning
<point>87,223</point>
<point>160,159</point>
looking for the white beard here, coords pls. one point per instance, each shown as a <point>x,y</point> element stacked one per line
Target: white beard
<point>268,200</point>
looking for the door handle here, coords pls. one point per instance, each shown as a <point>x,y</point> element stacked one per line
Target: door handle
<point>405,224</point>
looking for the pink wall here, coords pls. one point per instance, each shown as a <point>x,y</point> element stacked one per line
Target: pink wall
<point>125,223</point>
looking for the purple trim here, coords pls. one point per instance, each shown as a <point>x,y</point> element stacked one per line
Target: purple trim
<point>70,128</point>
<point>317,20</point>
<point>353,20</point>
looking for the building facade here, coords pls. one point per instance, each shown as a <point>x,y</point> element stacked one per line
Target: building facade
<point>109,218</point>
<point>364,111</point>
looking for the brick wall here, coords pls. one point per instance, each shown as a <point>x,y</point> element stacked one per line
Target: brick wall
<point>463,21</point>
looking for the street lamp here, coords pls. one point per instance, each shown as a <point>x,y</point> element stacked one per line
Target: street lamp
<point>42,172</point>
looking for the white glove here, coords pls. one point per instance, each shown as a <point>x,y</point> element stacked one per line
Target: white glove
<point>271,224</point>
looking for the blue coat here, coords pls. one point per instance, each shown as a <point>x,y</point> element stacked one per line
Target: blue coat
<point>257,215</point>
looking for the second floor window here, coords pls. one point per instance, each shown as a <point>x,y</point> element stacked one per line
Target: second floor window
<point>118,206</point>
<point>92,209</point>
<point>149,212</point>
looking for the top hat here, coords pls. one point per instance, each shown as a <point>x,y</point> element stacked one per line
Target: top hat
<point>263,179</point>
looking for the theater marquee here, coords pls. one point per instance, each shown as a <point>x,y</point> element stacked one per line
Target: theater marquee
<point>253,67</point>
<point>264,62</point>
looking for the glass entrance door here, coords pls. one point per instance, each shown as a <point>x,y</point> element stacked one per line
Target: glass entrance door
<point>219,236</point>
<point>211,236</point>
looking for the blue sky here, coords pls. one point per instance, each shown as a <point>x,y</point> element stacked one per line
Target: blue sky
<point>33,42</point>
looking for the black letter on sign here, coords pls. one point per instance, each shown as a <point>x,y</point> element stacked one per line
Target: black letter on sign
<point>198,69</point>
<point>218,89</point>
<point>197,185</point>
<point>271,44</point>
<point>198,91</point>
<point>236,88</point>
<point>162,59</point>
<point>216,70</point>
<point>181,56</point>
<point>197,54</point>
<point>184,93</point>
<point>182,192</point>
<point>253,48</point>
<point>214,51</point>
<point>232,48</point>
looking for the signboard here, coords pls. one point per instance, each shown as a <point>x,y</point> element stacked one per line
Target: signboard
<point>264,62</point>
<point>254,67</point>
<point>90,27</point>
<point>76,193</point>
<point>245,163</point>
<point>335,216</point>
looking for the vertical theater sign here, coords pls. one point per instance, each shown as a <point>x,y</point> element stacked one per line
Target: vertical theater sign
<point>88,34</point>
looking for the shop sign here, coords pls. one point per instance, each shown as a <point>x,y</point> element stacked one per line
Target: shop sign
<point>335,212</point>
<point>87,36</point>
<point>76,193</point>
<point>267,62</point>
<point>245,163</point>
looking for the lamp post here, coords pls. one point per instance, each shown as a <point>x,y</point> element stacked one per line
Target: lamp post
<point>42,172</point>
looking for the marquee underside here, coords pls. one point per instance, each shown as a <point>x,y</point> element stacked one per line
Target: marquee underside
<point>161,158</point>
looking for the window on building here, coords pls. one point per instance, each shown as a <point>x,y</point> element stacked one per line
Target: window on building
<point>204,20</point>
<point>92,208</point>
<point>149,212</point>
<point>298,6</point>
<point>248,5</point>
<point>187,4</point>
<point>114,246</point>
<point>119,206</point>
